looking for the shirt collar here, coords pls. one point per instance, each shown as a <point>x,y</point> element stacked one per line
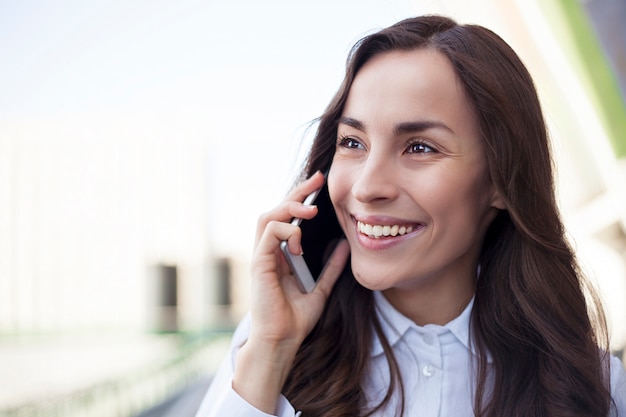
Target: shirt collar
<point>395,325</point>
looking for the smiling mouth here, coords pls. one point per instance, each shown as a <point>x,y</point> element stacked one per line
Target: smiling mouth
<point>378,231</point>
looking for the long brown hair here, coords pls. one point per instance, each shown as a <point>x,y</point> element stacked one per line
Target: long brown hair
<point>530,311</point>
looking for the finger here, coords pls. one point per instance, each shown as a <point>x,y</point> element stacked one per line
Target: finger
<point>292,206</point>
<point>276,232</point>
<point>285,212</point>
<point>333,268</point>
<point>306,187</point>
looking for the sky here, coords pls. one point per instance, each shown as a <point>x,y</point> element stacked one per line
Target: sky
<point>75,55</point>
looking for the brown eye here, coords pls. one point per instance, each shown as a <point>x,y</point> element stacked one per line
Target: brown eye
<point>420,147</point>
<point>350,143</point>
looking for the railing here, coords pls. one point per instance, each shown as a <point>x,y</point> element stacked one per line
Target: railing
<point>132,394</point>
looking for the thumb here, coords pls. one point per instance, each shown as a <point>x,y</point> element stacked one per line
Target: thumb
<point>333,268</point>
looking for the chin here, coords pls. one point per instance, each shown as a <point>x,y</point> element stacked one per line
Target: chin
<point>371,280</point>
<point>378,276</point>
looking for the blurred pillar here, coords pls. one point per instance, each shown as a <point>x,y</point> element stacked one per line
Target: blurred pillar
<point>164,299</point>
<point>219,293</point>
<point>223,276</point>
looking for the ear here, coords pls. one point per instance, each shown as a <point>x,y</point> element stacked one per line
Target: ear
<point>497,200</point>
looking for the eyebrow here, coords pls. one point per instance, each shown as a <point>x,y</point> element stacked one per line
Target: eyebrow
<point>400,128</point>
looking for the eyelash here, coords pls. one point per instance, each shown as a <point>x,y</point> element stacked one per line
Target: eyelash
<point>425,147</point>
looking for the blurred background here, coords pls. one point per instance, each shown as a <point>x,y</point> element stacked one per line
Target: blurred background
<point>140,141</point>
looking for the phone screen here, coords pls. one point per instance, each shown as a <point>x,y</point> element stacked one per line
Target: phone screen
<point>320,234</point>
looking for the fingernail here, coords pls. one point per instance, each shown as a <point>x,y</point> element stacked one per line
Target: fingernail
<point>316,173</point>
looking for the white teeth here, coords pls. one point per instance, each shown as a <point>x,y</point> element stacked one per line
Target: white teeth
<point>377,231</point>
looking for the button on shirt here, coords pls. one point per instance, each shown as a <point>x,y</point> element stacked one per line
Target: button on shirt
<point>434,361</point>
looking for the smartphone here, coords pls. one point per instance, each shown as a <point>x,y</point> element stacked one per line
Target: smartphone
<point>320,235</point>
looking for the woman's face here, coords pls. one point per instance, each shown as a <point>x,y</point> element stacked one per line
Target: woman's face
<point>409,178</point>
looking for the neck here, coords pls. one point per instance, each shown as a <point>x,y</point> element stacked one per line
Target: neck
<point>432,304</point>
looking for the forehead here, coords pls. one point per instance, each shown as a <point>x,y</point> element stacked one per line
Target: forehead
<point>403,86</point>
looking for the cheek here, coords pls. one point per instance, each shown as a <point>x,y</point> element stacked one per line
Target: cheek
<point>334,190</point>
<point>467,190</point>
<point>338,183</point>
<point>339,189</point>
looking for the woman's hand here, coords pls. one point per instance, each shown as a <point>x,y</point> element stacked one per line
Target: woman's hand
<point>281,315</point>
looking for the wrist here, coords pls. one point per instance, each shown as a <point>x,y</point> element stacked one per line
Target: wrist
<point>261,370</point>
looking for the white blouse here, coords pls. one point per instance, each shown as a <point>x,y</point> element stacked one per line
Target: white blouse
<point>434,361</point>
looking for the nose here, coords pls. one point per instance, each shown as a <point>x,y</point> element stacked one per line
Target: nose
<point>375,179</point>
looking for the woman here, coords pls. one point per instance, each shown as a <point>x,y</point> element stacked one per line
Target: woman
<point>461,296</point>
